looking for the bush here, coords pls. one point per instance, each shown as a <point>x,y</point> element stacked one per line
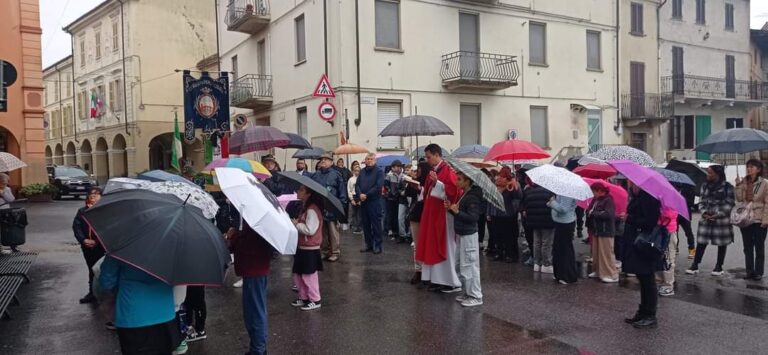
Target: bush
<point>38,189</point>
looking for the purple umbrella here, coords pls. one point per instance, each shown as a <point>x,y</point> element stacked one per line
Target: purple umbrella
<point>257,138</point>
<point>654,184</point>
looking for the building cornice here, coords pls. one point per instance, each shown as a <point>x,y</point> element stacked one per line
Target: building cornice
<point>30,29</point>
<point>60,61</point>
<point>86,18</point>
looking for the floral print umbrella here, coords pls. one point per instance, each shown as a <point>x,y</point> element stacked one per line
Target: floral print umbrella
<point>618,152</point>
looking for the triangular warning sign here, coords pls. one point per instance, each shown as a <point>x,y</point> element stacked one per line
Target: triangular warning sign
<point>323,88</point>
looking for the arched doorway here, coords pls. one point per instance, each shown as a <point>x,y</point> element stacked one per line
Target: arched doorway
<point>160,152</point>
<point>58,155</point>
<point>48,155</point>
<point>86,160</point>
<point>118,156</point>
<point>101,161</point>
<point>9,144</point>
<point>70,156</point>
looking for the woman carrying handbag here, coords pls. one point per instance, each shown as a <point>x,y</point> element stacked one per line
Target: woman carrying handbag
<point>752,191</point>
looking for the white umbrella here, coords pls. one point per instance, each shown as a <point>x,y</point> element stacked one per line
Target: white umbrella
<point>9,162</point>
<point>259,208</point>
<point>185,192</point>
<point>560,182</point>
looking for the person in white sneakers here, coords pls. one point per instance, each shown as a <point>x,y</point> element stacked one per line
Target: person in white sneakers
<point>466,213</point>
<point>538,215</point>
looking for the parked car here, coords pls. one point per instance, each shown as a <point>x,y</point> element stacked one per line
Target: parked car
<point>69,180</point>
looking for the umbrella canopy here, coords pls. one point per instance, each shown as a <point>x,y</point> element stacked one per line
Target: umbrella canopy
<point>418,152</point>
<point>675,177</point>
<point>350,148</point>
<point>257,138</point>
<point>471,151</point>
<point>9,162</point>
<point>619,195</point>
<point>734,140</point>
<point>193,195</point>
<point>160,175</point>
<point>417,125</point>
<point>331,203</point>
<point>696,173</point>
<point>490,191</point>
<point>249,166</point>
<point>309,153</point>
<point>618,152</point>
<point>296,142</point>
<point>595,171</point>
<point>121,183</point>
<point>515,149</point>
<point>560,182</point>
<point>654,184</point>
<point>161,235</point>
<point>387,160</point>
<point>259,208</point>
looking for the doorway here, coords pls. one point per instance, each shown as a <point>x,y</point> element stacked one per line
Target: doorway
<point>469,44</point>
<point>703,130</point>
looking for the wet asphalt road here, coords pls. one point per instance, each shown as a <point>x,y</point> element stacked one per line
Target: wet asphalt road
<point>369,308</point>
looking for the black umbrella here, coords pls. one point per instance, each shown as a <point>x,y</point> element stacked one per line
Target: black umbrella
<point>734,140</point>
<point>160,235</point>
<point>294,180</point>
<point>309,153</point>
<point>296,142</point>
<point>696,173</point>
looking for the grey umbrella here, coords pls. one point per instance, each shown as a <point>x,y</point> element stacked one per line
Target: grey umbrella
<point>734,140</point>
<point>296,142</point>
<point>470,151</point>
<point>293,180</point>
<point>309,153</point>
<point>675,177</point>
<point>415,126</point>
<point>478,177</point>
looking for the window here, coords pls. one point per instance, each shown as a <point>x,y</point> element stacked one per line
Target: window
<point>678,70</point>
<point>82,52</point>
<point>388,24</point>
<point>734,123</point>
<point>82,103</point>
<point>386,113</point>
<point>68,84</point>
<point>639,141</point>
<point>677,9</point>
<point>301,122</point>
<point>729,17</point>
<point>681,132</point>
<point>469,124</point>
<point>301,47</point>
<point>97,39</point>
<point>730,76</point>
<point>56,95</point>
<point>234,68</point>
<point>593,50</point>
<point>115,96</point>
<point>115,46</point>
<point>539,126</point>
<point>701,17</point>
<point>538,43</point>
<point>637,19</point>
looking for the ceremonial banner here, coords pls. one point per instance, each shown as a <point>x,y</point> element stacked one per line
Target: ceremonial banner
<point>206,103</point>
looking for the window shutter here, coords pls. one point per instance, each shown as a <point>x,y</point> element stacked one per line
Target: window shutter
<point>388,112</point>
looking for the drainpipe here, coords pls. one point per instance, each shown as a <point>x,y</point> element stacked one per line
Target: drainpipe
<point>74,93</point>
<point>61,111</point>
<point>658,49</point>
<point>617,126</point>
<point>325,40</point>
<point>218,49</point>
<point>357,49</point>
<point>125,84</point>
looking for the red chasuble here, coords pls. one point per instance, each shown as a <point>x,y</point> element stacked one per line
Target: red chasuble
<point>431,247</point>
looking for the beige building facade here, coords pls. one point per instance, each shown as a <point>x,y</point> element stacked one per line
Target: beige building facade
<point>126,87</point>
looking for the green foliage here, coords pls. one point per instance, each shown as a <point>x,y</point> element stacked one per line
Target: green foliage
<point>38,189</point>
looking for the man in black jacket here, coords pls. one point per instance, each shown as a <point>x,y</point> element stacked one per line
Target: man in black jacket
<point>92,248</point>
<point>539,218</point>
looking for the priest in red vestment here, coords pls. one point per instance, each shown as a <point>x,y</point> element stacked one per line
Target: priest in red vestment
<point>436,245</point>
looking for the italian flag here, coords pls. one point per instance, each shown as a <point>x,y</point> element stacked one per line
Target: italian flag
<point>176,151</point>
<point>94,104</point>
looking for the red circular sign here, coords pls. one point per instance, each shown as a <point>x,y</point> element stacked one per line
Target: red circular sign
<point>326,111</point>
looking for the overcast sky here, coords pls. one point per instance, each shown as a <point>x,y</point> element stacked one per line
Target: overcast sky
<point>55,14</point>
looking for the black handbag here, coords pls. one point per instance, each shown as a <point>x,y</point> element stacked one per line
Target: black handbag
<point>653,244</point>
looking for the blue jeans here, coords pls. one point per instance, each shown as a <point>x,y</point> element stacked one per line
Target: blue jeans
<point>370,211</point>
<point>255,313</point>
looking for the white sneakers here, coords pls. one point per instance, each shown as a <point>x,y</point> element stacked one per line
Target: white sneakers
<point>238,284</point>
<point>547,270</point>
<point>609,280</point>
<point>593,275</point>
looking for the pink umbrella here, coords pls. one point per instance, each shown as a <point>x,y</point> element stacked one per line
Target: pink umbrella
<point>654,184</point>
<point>515,149</point>
<point>619,195</point>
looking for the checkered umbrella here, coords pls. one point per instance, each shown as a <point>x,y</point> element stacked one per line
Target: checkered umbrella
<point>618,152</point>
<point>257,138</point>
<point>9,162</point>
<point>490,191</point>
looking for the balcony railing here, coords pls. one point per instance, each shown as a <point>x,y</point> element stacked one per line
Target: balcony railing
<point>646,106</point>
<point>464,69</point>
<point>247,16</point>
<point>714,88</point>
<point>251,91</point>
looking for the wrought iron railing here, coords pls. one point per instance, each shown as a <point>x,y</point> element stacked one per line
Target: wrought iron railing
<point>250,86</point>
<point>709,87</point>
<point>480,67</point>
<point>647,106</point>
<point>239,9</point>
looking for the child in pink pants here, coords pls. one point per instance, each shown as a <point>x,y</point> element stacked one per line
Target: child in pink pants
<point>308,260</point>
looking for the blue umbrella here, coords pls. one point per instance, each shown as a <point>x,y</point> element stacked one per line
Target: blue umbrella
<point>675,177</point>
<point>160,175</point>
<point>387,160</point>
<point>471,151</point>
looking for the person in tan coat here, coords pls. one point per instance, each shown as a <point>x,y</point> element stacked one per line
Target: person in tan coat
<point>754,189</point>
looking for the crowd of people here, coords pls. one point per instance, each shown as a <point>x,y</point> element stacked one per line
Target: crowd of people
<point>444,215</point>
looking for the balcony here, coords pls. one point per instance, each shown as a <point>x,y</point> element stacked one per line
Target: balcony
<point>247,16</point>
<point>709,90</point>
<point>484,71</point>
<point>251,91</point>
<point>646,106</point>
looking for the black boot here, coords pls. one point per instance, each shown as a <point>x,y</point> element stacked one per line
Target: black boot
<point>89,298</point>
<point>646,323</point>
<point>634,319</point>
<point>416,278</point>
